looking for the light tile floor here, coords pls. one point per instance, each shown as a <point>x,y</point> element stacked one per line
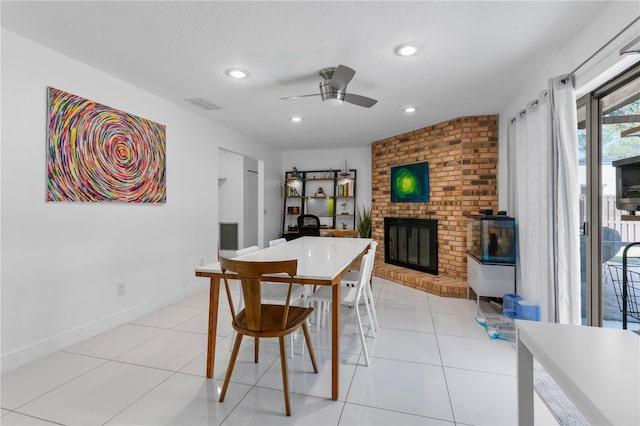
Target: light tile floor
<point>431,364</point>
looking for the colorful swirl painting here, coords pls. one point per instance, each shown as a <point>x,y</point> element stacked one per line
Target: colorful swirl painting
<point>100,154</point>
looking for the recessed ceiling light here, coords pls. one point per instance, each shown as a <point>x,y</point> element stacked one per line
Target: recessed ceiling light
<point>237,73</point>
<point>406,49</point>
<point>409,109</point>
<point>296,119</point>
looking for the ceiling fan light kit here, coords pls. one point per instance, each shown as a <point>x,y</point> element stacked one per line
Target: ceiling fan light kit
<point>331,94</point>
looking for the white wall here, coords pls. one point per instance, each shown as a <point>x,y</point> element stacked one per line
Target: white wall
<point>612,18</point>
<point>61,262</point>
<point>230,205</point>
<point>251,207</point>
<point>325,159</point>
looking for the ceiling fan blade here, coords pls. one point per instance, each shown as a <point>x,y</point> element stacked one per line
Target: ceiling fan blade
<point>359,100</point>
<point>299,96</point>
<point>341,77</point>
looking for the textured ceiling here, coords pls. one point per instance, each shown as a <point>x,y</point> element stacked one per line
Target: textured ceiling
<point>473,57</point>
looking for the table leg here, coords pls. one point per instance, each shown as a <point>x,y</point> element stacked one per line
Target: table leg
<point>214,298</point>
<point>525,385</point>
<point>335,341</point>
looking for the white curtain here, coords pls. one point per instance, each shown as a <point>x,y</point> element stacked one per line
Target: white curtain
<point>567,216</point>
<point>543,197</point>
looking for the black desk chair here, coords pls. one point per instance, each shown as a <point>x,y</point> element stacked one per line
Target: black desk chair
<point>308,225</point>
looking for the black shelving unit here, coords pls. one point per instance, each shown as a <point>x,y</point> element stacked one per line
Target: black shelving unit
<point>328,194</point>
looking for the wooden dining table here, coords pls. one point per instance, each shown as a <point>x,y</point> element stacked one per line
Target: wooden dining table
<point>321,261</point>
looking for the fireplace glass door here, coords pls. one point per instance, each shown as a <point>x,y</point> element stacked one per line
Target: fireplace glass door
<point>412,243</point>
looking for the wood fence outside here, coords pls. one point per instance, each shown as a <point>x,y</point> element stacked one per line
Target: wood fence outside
<point>611,218</point>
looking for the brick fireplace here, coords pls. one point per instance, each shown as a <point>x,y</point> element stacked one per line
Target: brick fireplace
<point>463,168</point>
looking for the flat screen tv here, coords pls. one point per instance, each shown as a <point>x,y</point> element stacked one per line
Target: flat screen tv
<point>410,182</point>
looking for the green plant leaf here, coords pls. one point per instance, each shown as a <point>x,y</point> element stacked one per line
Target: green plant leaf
<point>363,223</point>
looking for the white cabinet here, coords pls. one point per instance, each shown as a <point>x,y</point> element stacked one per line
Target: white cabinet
<point>489,280</point>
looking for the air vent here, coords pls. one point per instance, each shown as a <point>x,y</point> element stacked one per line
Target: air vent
<point>202,103</point>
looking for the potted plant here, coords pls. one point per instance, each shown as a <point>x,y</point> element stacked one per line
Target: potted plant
<point>363,223</point>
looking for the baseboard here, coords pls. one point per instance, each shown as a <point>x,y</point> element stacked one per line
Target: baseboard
<point>18,358</point>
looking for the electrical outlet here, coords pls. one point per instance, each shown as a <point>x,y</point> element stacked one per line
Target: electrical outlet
<point>122,289</point>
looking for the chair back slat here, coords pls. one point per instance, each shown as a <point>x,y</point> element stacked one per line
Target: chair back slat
<point>287,302</point>
<point>229,298</point>
<point>250,274</point>
<point>252,297</point>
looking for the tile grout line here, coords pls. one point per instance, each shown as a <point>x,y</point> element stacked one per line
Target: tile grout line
<point>141,396</point>
<point>59,386</point>
<point>444,374</point>
<point>31,416</point>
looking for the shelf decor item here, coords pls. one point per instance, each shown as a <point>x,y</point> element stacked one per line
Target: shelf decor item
<point>96,153</point>
<point>295,174</point>
<point>344,172</point>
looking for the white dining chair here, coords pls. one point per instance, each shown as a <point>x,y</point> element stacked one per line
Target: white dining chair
<point>277,242</point>
<point>351,279</point>
<point>352,276</point>
<point>322,298</point>
<point>247,250</point>
<point>276,294</point>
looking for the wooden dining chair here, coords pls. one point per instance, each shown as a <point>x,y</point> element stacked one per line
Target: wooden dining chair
<point>274,292</point>
<point>240,252</point>
<point>259,319</point>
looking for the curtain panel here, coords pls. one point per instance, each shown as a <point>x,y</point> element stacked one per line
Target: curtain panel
<point>543,197</point>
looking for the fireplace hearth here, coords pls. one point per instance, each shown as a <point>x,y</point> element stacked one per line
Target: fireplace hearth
<point>411,243</point>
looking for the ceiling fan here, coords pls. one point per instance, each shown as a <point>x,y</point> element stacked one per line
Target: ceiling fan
<point>333,87</point>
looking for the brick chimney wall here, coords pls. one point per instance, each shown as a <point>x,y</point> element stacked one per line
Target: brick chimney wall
<point>463,178</point>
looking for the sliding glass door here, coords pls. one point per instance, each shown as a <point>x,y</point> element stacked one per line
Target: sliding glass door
<point>608,130</point>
